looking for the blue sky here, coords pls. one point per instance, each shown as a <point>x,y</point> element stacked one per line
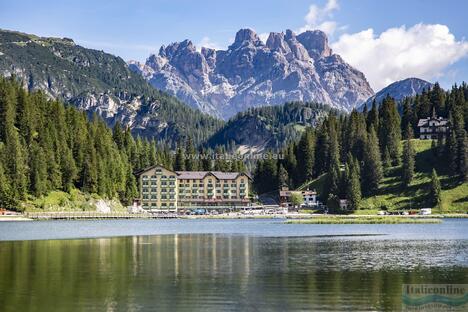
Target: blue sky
<point>134,29</point>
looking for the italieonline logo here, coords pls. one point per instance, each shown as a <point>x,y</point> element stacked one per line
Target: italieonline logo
<point>435,297</point>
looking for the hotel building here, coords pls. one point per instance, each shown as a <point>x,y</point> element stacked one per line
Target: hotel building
<point>163,189</point>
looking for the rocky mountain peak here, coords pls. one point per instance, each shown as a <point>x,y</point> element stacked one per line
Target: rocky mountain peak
<point>177,48</point>
<point>276,42</point>
<point>249,73</point>
<point>246,36</point>
<point>316,43</point>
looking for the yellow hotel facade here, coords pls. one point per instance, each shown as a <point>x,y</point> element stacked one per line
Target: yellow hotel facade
<point>163,189</point>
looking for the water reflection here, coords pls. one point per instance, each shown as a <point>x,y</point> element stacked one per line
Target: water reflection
<point>212,272</point>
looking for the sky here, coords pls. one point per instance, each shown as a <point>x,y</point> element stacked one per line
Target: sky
<point>386,40</point>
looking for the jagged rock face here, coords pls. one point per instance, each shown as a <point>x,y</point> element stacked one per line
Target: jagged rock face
<point>251,73</point>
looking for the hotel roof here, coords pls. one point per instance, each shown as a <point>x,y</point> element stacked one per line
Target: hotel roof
<point>199,174</point>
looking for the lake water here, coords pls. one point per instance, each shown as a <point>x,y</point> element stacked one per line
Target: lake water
<point>223,265</point>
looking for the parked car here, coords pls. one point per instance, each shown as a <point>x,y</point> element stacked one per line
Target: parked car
<point>425,211</point>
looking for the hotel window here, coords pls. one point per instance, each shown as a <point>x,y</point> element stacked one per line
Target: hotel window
<point>154,189</point>
<point>163,197</point>
<point>153,177</point>
<point>145,197</point>
<point>154,182</point>
<point>153,205</point>
<point>145,177</point>
<point>154,197</point>
<point>145,190</point>
<point>145,182</point>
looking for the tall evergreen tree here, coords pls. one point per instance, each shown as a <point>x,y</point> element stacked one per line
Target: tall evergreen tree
<point>408,159</point>
<point>190,162</point>
<point>283,177</point>
<point>436,190</point>
<point>305,156</point>
<point>389,129</point>
<point>353,185</point>
<point>179,163</point>
<point>372,165</point>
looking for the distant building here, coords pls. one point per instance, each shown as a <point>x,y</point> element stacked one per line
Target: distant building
<point>163,189</point>
<point>309,197</point>
<point>343,204</point>
<point>432,127</point>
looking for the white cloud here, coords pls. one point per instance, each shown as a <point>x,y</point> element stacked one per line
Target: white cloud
<point>208,43</point>
<point>422,51</point>
<point>320,18</point>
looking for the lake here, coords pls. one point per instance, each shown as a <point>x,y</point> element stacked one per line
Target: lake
<point>223,265</point>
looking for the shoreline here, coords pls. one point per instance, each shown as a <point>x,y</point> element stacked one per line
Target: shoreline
<point>293,218</point>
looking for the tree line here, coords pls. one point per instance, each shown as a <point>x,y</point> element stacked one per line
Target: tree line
<point>47,146</point>
<point>355,150</point>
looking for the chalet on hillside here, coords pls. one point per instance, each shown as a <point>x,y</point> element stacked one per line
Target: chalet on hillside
<point>432,127</point>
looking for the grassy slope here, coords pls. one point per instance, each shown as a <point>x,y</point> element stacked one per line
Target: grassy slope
<point>392,195</point>
<point>73,201</point>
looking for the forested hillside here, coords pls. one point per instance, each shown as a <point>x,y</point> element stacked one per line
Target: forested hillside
<point>98,82</point>
<point>46,146</point>
<point>269,127</point>
<point>353,154</point>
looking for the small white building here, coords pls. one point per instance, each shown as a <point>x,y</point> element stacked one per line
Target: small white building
<point>431,128</point>
<point>343,204</point>
<point>310,198</point>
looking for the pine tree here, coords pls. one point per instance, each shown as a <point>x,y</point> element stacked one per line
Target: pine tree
<point>389,129</point>
<point>179,163</point>
<point>353,185</point>
<point>463,155</point>
<point>7,199</point>
<point>452,151</point>
<point>407,118</point>
<point>436,191</point>
<point>131,190</point>
<point>38,170</point>
<point>373,118</point>
<point>190,163</point>
<point>333,182</point>
<point>372,165</point>
<point>283,177</point>
<point>408,160</point>
<point>305,157</point>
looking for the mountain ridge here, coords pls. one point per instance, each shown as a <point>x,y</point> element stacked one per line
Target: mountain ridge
<point>399,90</point>
<point>99,82</point>
<point>250,73</point>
